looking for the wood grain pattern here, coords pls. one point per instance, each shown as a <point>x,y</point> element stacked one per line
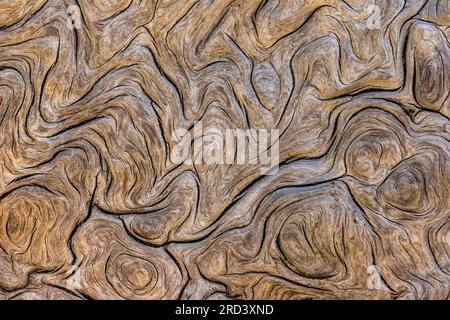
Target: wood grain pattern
<point>91,205</point>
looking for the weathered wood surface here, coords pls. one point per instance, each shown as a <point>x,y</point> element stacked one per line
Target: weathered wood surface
<point>91,205</point>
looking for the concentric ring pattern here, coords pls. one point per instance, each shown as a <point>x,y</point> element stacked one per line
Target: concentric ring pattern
<point>92,205</point>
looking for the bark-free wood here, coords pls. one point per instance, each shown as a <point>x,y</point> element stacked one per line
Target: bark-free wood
<point>90,201</point>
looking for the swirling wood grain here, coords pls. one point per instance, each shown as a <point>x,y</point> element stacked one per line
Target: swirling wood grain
<point>91,205</point>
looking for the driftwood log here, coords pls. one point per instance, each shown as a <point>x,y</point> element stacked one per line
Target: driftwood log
<point>96,96</point>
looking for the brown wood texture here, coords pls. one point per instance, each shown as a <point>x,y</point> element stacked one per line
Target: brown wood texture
<point>92,206</point>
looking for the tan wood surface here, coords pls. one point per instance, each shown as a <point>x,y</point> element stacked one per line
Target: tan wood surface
<point>92,205</point>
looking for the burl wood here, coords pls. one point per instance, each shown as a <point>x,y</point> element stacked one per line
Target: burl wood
<point>91,205</point>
